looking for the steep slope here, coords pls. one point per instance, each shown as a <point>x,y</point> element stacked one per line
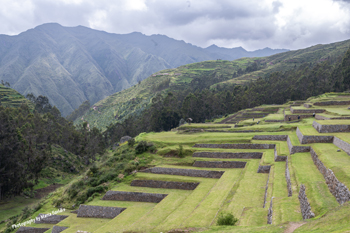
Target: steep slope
<point>72,65</point>
<point>208,74</point>
<point>11,98</point>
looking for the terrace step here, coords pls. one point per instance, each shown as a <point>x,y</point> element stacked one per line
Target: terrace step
<point>220,164</point>
<point>134,196</point>
<point>89,211</point>
<point>229,155</point>
<point>185,172</point>
<point>164,184</point>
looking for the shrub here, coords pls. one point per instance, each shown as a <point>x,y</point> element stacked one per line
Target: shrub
<point>141,147</point>
<point>226,219</point>
<point>181,152</point>
<point>131,142</point>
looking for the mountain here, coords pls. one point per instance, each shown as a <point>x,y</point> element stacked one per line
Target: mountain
<point>217,74</point>
<point>70,65</point>
<point>11,98</point>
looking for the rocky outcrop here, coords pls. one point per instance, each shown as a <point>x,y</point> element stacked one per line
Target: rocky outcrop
<point>164,184</point>
<point>89,211</point>
<point>185,172</point>
<point>229,155</point>
<point>237,146</point>
<point>338,189</point>
<point>220,164</point>
<point>304,204</point>
<point>125,139</point>
<point>134,196</point>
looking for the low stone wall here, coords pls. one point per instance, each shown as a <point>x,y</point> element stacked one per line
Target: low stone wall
<point>289,184</point>
<point>89,211</point>
<point>304,204</point>
<point>342,145</point>
<point>185,172</point>
<point>338,189</point>
<point>269,213</point>
<point>134,196</point>
<point>313,139</point>
<point>295,117</point>
<point>229,155</point>
<point>58,229</point>
<point>294,111</point>
<point>164,184</point>
<point>319,117</point>
<point>307,105</point>
<point>52,219</point>
<point>274,120</point>
<point>279,158</point>
<point>266,188</point>
<point>237,146</point>
<point>220,164</point>
<point>296,149</point>
<point>32,230</point>
<point>264,169</point>
<point>326,103</point>
<point>271,137</point>
<point>330,128</point>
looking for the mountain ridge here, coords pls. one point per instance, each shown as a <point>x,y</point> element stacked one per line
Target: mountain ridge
<point>70,65</point>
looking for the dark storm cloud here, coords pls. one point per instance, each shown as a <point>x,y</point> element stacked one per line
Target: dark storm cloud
<point>251,24</point>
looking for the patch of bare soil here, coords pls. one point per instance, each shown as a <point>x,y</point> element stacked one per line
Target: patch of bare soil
<point>40,193</point>
<point>293,226</point>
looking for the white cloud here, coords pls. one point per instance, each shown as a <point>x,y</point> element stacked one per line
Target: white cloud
<point>252,24</point>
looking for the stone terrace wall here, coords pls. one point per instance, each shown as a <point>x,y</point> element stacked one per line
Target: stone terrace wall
<point>304,204</point>
<point>295,117</point>
<point>338,189</point>
<point>319,117</point>
<point>89,211</point>
<point>185,172</point>
<point>313,139</point>
<point>307,105</point>
<point>53,219</point>
<point>326,103</point>
<point>271,137</point>
<point>289,184</point>
<point>264,169</point>
<point>32,230</point>
<point>330,128</point>
<point>237,146</point>
<point>294,111</point>
<point>220,164</point>
<point>229,155</point>
<point>164,184</point>
<point>296,149</point>
<point>134,196</point>
<point>342,145</point>
<point>274,120</point>
<point>279,158</point>
<point>266,188</point>
<point>58,229</point>
<point>269,213</point>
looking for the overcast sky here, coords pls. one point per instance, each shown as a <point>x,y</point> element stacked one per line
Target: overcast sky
<point>252,24</point>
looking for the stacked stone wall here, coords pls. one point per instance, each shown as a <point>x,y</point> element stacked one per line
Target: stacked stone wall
<point>296,149</point>
<point>342,145</point>
<point>279,158</point>
<point>269,213</point>
<point>52,219</point>
<point>164,184</point>
<point>330,128</point>
<point>32,230</point>
<point>133,196</point>
<point>220,164</point>
<point>266,188</point>
<point>185,172</point>
<point>338,189</point>
<point>264,169</point>
<point>229,155</point>
<point>58,229</point>
<point>295,117</point>
<point>289,183</point>
<point>307,105</point>
<point>319,117</point>
<point>274,120</point>
<point>304,204</point>
<point>271,137</point>
<point>295,111</point>
<point>237,146</point>
<point>313,139</point>
<point>89,211</point>
<point>326,103</point>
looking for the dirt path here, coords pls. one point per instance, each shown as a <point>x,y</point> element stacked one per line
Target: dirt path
<point>293,226</point>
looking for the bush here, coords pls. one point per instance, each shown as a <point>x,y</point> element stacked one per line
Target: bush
<point>181,152</point>
<point>226,219</point>
<point>131,142</point>
<point>141,147</point>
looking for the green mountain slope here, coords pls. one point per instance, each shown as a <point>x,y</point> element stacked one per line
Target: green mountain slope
<point>72,65</point>
<point>11,98</point>
<point>208,74</point>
